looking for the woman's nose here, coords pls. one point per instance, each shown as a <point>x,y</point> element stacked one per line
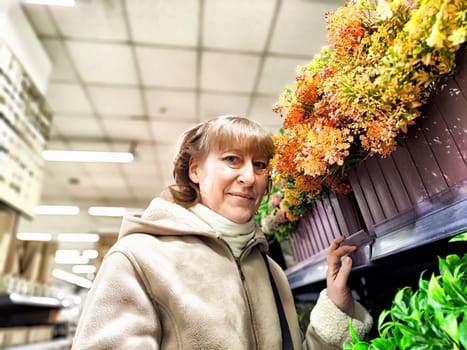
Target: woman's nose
<point>247,174</point>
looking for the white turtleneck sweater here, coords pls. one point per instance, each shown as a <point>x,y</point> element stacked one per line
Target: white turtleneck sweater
<point>236,235</point>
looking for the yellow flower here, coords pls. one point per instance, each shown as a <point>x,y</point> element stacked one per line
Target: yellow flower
<point>292,196</point>
<point>436,38</point>
<point>458,36</point>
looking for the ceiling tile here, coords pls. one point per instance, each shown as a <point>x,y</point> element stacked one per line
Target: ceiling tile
<point>101,145</point>
<point>261,111</point>
<point>299,21</point>
<point>228,72</point>
<point>40,19</point>
<point>146,192</point>
<point>144,154</point>
<point>168,132</point>
<point>167,67</point>
<point>56,144</point>
<point>141,169</point>
<point>61,170</point>
<point>278,73</point>
<point>172,22</point>
<point>137,130</point>
<point>86,190</point>
<point>103,63</point>
<point>103,180</point>
<point>180,105</point>
<point>62,68</point>
<point>106,19</point>
<point>77,126</point>
<point>101,169</point>
<point>240,24</point>
<point>63,175</point>
<point>213,105</point>
<point>166,155</point>
<point>67,98</point>
<point>116,100</point>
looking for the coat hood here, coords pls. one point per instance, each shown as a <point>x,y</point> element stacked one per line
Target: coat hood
<point>165,218</point>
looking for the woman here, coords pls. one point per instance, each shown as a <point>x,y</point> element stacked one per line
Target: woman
<point>191,272</point>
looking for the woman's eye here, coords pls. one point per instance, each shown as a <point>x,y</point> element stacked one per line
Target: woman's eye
<point>260,165</point>
<point>231,159</point>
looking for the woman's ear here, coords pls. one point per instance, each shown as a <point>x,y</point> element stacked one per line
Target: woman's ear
<point>193,171</point>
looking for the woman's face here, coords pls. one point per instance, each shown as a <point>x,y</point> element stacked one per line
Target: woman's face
<point>231,182</point>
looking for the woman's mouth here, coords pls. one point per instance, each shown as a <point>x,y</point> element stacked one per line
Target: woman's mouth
<point>242,195</point>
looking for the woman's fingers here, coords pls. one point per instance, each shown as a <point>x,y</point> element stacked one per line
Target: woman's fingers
<point>338,274</point>
<point>335,254</point>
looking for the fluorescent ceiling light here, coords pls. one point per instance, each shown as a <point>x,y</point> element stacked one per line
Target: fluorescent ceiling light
<point>87,156</point>
<point>78,237</point>
<point>112,211</point>
<point>34,300</point>
<point>72,278</point>
<point>68,3</point>
<point>83,269</point>
<point>90,253</point>
<point>71,260</point>
<point>56,210</point>
<point>33,236</point>
<point>66,252</point>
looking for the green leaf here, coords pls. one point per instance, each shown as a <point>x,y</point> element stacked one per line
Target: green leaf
<point>461,237</point>
<point>463,332</point>
<point>382,344</point>
<point>435,291</point>
<point>353,333</point>
<point>450,326</point>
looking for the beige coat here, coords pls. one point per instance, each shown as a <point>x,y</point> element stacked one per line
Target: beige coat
<point>170,283</point>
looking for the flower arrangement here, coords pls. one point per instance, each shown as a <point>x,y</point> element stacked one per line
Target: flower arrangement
<point>357,96</point>
<point>280,211</point>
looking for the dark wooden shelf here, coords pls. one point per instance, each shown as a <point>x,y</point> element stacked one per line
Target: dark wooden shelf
<point>27,310</point>
<point>52,345</point>
<point>393,237</point>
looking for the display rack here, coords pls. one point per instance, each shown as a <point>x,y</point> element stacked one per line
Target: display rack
<point>25,123</point>
<point>20,310</point>
<point>30,322</point>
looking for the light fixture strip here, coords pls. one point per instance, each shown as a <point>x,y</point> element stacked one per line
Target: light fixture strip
<point>87,156</point>
<point>83,269</point>
<point>66,3</point>
<point>56,210</point>
<point>78,237</point>
<point>71,260</point>
<point>72,278</point>
<point>34,236</point>
<point>112,211</point>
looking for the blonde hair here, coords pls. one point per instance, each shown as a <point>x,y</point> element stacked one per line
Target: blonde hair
<point>215,135</point>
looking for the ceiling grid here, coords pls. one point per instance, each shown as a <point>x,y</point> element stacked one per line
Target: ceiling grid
<point>137,73</point>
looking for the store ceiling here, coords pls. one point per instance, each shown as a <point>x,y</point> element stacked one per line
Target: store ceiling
<point>134,74</point>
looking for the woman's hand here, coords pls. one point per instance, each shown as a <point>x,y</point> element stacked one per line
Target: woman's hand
<point>337,275</point>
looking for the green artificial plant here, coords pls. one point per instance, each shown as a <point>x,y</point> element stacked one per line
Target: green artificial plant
<point>432,317</point>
